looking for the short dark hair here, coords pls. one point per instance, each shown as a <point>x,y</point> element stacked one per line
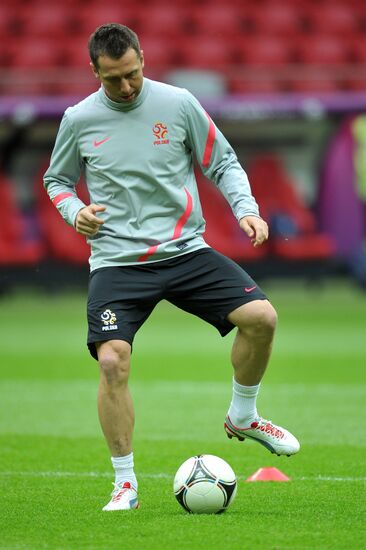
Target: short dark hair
<point>113,40</point>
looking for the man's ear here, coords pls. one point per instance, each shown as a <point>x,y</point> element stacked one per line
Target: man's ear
<point>94,69</point>
<point>142,59</point>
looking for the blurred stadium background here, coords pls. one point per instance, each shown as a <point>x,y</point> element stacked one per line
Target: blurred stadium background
<point>284,80</point>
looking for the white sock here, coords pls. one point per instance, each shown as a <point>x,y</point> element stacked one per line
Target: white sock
<point>243,407</point>
<point>123,467</point>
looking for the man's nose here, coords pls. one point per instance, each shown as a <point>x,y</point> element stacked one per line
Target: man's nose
<point>125,86</point>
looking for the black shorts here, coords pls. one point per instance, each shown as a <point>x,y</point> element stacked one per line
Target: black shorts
<point>204,283</point>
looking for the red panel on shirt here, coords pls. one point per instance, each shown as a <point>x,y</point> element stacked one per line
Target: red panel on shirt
<point>151,250</point>
<point>184,217</point>
<point>177,230</point>
<point>209,143</point>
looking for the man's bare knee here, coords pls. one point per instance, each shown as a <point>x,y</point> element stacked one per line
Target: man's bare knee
<point>114,361</point>
<point>258,317</point>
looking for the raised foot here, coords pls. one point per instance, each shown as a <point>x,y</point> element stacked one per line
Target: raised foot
<point>277,440</point>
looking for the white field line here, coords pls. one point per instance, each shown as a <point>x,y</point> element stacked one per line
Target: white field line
<point>160,476</point>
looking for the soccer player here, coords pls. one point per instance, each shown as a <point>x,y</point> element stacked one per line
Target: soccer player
<point>136,140</point>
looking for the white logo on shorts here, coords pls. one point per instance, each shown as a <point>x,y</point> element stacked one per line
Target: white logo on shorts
<point>109,320</point>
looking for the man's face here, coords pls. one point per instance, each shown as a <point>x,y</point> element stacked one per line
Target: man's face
<point>122,78</point>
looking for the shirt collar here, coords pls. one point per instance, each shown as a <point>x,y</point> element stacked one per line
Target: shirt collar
<point>128,105</point>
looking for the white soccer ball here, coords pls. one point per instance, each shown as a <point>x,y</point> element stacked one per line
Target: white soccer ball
<point>205,484</point>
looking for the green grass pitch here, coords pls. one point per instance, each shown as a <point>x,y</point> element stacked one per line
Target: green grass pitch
<point>55,471</point>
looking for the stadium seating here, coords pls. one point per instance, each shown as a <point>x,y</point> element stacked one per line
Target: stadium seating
<point>39,64</point>
<point>8,20</point>
<point>222,229</point>
<point>91,15</point>
<point>35,53</point>
<point>18,247</point>
<point>358,50</point>
<point>75,53</point>
<point>156,53</point>
<point>294,235</point>
<point>263,50</point>
<point>206,52</point>
<point>314,80</point>
<point>255,84</point>
<point>270,46</point>
<point>335,19</point>
<point>213,35</point>
<point>173,19</point>
<point>225,21</point>
<point>281,18</point>
<point>55,20</point>
<point>323,49</point>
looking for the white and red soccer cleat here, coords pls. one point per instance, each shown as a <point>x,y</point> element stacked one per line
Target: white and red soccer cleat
<point>276,439</point>
<point>124,497</point>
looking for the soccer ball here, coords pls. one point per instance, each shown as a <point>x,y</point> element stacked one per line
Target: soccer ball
<point>205,484</point>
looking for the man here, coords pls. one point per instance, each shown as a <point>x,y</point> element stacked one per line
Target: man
<point>136,140</point>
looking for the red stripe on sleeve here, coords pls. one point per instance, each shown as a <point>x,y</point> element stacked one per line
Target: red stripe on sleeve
<point>184,217</point>
<point>61,197</point>
<point>209,143</point>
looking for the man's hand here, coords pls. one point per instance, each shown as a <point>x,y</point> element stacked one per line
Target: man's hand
<point>255,228</point>
<point>87,223</point>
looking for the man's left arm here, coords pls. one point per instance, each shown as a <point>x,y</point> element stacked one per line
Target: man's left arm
<point>219,163</point>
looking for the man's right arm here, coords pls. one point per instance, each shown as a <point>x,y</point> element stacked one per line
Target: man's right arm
<point>64,173</point>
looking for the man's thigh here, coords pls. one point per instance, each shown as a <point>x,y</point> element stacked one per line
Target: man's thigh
<point>210,286</point>
<point>120,299</point>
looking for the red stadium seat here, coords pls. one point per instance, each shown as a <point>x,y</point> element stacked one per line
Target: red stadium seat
<point>219,21</point>
<point>162,21</point>
<point>35,53</point>
<point>317,246</point>
<point>263,50</point>
<point>9,20</point>
<point>320,49</point>
<point>294,235</point>
<point>92,15</point>
<point>222,229</point>
<point>16,247</point>
<point>332,18</point>
<point>205,52</point>
<point>360,11</point>
<point>275,192</point>
<point>53,21</point>
<point>280,18</point>
<point>37,62</point>
<point>358,49</point>
<point>158,55</point>
<point>75,52</point>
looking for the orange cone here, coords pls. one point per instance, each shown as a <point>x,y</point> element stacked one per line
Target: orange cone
<point>268,474</point>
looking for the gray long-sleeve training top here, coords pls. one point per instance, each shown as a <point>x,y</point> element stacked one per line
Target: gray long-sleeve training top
<point>138,159</point>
